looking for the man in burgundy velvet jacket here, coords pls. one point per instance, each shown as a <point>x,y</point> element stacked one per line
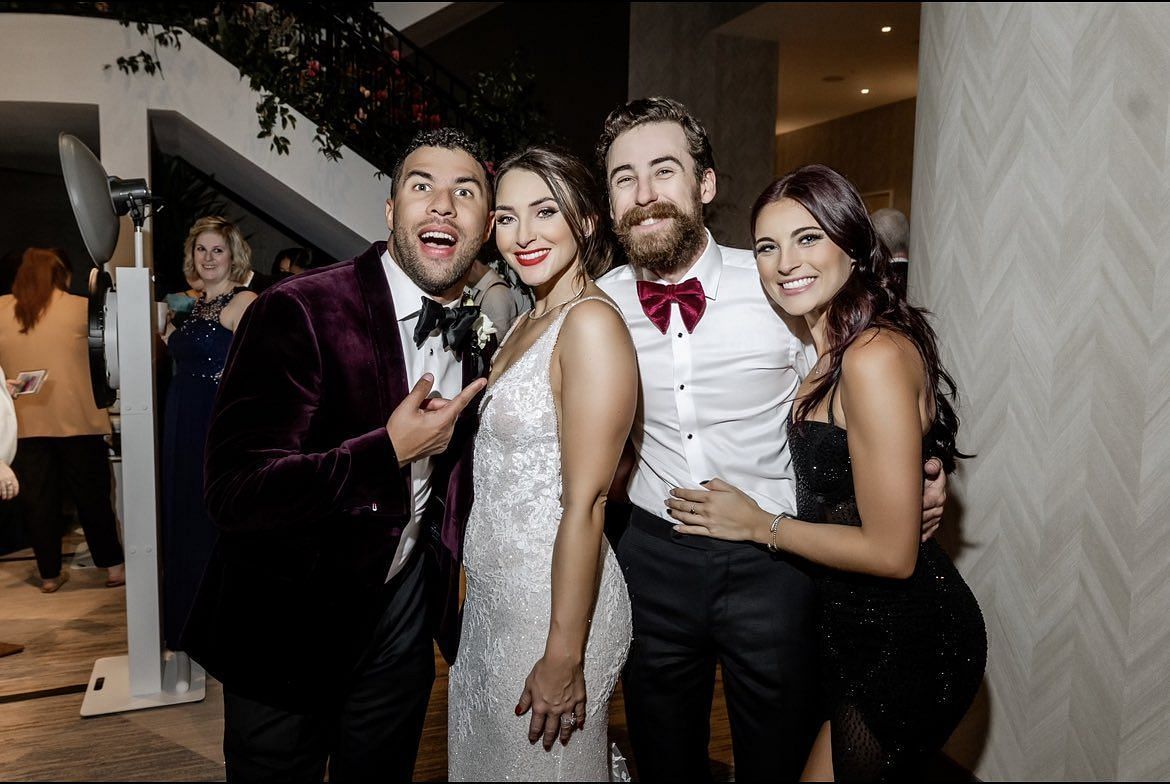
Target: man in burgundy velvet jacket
<point>341,497</point>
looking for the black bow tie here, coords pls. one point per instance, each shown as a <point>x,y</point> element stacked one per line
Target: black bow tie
<point>455,324</point>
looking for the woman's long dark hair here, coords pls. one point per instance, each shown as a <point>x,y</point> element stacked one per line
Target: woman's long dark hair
<point>868,299</point>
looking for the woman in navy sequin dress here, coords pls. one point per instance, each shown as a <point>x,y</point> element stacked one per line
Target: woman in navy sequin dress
<point>215,254</point>
<point>902,640</point>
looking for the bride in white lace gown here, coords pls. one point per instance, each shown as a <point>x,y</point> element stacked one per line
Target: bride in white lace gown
<point>546,621</point>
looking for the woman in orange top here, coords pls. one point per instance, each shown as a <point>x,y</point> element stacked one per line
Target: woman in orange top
<point>62,447</point>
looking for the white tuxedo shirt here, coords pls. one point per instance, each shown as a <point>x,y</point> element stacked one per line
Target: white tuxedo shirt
<point>715,403</point>
<point>431,358</point>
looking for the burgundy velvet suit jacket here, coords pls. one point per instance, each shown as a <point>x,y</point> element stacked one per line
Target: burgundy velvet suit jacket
<point>303,484</point>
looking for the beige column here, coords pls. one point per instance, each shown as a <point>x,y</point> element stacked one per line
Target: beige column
<point>125,144</point>
<point>728,82</point>
<point>1041,240</point>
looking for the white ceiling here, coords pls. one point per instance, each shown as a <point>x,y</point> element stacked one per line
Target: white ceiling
<point>819,40</point>
<point>424,23</point>
<point>403,15</point>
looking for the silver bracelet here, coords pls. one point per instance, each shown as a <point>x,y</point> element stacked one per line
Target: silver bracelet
<point>774,527</point>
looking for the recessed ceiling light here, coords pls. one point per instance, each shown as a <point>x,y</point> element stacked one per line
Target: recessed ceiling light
<point>865,91</point>
<point>887,29</point>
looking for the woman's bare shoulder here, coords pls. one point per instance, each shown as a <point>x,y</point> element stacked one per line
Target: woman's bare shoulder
<point>879,354</point>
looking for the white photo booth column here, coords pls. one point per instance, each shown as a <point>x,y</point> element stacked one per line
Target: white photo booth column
<point>122,315</point>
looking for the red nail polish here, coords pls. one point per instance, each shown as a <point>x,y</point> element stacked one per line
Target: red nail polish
<point>518,711</point>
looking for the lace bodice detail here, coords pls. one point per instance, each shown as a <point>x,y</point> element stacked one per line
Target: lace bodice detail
<point>210,309</point>
<point>508,560</point>
<point>199,345</point>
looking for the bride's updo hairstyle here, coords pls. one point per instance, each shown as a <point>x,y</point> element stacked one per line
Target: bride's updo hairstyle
<point>578,197</point>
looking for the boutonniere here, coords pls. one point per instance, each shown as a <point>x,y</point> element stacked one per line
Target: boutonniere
<point>482,328</point>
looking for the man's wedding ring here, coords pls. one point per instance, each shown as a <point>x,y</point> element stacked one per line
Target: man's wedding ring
<point>692,508</point>
<point>568,719</point>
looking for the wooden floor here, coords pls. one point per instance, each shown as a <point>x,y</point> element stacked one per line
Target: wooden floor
<point>41,690</point>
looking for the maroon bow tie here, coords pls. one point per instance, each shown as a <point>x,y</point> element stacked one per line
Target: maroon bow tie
<point>656,299</point>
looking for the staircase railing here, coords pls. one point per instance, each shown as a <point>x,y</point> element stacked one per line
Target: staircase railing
<point>364,83</point>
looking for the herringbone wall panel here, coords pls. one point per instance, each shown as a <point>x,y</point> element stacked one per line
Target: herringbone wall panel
<point>1041,240</point>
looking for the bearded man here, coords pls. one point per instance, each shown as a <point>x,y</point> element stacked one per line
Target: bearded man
<point>719,366</point>
<point>340,497</point>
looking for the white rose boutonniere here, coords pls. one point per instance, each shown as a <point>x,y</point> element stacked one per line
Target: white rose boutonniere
<point>483,328</point>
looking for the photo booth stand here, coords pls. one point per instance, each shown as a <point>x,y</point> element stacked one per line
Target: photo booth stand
<point>122,318</point>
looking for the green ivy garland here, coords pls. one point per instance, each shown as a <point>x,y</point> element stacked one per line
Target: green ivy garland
<point>359,95</point>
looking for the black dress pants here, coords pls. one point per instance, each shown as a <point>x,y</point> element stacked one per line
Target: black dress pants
<point>697,601</point>
<point>76,466</point>
<point>371,733</point>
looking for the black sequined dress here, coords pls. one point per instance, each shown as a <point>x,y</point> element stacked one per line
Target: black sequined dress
<point>901,659</point>
<point>199,347</point>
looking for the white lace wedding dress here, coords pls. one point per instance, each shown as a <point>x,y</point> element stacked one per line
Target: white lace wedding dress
<point>508,560</point>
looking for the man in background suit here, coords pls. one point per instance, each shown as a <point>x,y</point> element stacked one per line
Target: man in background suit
<point>894,229</point>
<point>340,496</point>
<point>288,262</point>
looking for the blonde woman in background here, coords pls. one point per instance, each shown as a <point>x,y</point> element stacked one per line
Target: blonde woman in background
<point>62,446</point>
<point>216,260</point>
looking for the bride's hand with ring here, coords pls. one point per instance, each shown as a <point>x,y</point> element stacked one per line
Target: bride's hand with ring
<point>555,692</point>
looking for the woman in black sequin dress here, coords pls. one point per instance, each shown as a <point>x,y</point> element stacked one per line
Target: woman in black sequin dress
<point>903,644</point>
<point>217,255</point>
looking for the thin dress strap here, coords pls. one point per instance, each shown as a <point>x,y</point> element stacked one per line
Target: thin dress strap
<point>555,330</point>
<point>832,396</point>
<point>586,299</point>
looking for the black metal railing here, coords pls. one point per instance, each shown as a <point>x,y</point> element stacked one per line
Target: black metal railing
<point>387,84</point>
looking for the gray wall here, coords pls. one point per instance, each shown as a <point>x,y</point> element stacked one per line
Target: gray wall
<point>1040,237</point>
<point>575,53</point>
<point>874,149</point>
<point>35,212</point>
<point>728,82</point>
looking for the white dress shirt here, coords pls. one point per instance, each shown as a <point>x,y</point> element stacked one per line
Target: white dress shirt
<point>431,358</point>
<point>715,403</point>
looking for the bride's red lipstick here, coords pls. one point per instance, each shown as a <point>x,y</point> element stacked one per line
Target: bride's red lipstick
<point>530,258</point>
